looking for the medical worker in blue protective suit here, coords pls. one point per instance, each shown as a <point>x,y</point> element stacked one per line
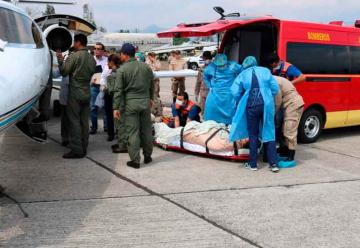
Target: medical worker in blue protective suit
<point>255,89</point>
<point>219,76</point>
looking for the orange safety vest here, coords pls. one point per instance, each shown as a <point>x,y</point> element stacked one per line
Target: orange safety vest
<point>185,111</point>
<point>283,72</point>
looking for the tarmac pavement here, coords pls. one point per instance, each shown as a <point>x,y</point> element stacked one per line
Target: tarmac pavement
<point>178,200</point>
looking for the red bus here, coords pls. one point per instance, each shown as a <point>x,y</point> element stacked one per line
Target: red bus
<point>327,54</point>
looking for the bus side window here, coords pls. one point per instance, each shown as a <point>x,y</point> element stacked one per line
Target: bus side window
<point>355,60</point>
<point>319,58</point>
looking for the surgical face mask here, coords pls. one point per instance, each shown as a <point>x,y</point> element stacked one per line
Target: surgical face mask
<point>178,102</point>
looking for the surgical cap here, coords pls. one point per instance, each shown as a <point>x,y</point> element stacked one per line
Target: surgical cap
<point>249,61</point>
<point>220,60</point>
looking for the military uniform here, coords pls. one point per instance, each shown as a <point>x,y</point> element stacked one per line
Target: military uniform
<point>292,105</point>
<point>155,66</point>
<point>157,108</point>
<point>80,66</point>
<point>134,88</point>
<point>201,90</point>
<point>178,83</point>
<point>119,124</point>
<point>63,98</point>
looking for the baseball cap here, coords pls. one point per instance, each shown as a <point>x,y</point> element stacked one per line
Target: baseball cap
<point>128,49</point>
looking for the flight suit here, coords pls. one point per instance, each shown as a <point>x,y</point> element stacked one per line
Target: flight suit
<point>178,83</point>
<point>201,90</point>
<point>155,66</point>
<point>293,106</point>
<point>134,88</point>
<point>80,66</point>
<point>119,124</point>
<point>45,100</point>
<point>63,99</point>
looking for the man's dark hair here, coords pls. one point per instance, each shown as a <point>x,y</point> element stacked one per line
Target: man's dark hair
<point>81,38</point>
<point>207,55</point>
<point>115,59</point>
<point>272,58</point>
<point>100,44</point>
<point>185,95</point>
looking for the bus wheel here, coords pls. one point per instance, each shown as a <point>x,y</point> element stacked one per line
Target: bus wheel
<point>193,66</point>
<point>311,125</point>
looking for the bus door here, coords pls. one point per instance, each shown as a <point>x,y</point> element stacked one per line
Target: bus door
<point>354,101</point>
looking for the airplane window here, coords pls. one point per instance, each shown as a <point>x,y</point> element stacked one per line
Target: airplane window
<point>16,28</point>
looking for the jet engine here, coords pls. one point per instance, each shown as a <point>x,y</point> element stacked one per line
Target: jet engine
<point>58,38</point>
<point>59,30</point>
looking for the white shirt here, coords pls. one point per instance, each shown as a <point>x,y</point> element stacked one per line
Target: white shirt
<point>103,61</point>
<point>104,76</point>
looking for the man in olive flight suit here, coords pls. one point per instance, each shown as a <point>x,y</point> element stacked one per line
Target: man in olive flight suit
<point>134,94</point>
<point>80,67</point>
<point>121,145</point>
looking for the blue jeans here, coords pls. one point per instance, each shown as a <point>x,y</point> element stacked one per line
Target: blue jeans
<point>94,91</point>
<point>254,116</point>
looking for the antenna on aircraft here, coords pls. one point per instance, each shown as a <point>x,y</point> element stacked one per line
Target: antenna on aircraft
<point>221,12</point>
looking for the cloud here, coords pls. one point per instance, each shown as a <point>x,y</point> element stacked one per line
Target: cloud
<point>116,14</point>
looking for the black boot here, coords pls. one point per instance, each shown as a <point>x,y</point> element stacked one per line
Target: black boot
<point>65,143</point>
<point>291,155</point>
<point>2,190</point>
<point>73,155</point>
<point>133,164</point>
<point>110,138</point>
<point>147,160</point>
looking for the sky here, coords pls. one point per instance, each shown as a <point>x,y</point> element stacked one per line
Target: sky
<point>130,14</point>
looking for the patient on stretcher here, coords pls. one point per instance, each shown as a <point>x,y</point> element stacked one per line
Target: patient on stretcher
<point>208,137</point>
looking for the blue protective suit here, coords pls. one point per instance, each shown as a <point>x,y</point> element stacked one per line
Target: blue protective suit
<point>220,105</point>
<point>240,91</point>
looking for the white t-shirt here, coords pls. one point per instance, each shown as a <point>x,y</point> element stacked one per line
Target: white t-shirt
<point>103,61</point>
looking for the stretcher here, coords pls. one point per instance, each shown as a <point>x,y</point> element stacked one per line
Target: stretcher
<point>237,155</point>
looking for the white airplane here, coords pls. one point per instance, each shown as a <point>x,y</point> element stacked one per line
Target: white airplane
<point>25,60</point>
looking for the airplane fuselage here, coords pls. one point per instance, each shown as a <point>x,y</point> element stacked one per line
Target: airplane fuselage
<point>24,66</point>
